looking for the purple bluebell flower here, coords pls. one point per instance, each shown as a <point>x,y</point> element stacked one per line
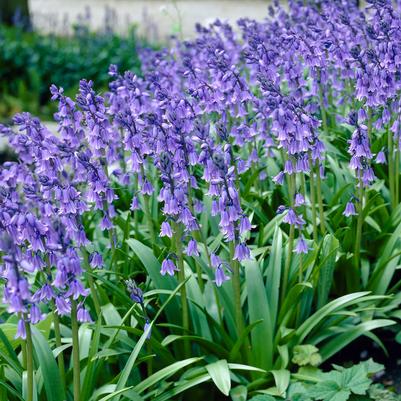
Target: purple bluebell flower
<point>165,230</point>
<point>279,178</point>
<point>381,158</point>
<point>301,246</point>
<point>147,328</point>
<point>299,200</point>
<point>96,260</point>
<point>244,225</point>
<point>192,248</point>
<point>242,252</point>
<point>135,292</point>
<point>215,260</point>
<point>135,203</point>
<point>35,315</point>
<point>63,306</point>
<point>349,209</point>
<point>83,315</point>
<point>21,330</point>
<point>168,267</point>
<point>220,276</point>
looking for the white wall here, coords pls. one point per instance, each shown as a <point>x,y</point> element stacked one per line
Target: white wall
<point>155,18</point>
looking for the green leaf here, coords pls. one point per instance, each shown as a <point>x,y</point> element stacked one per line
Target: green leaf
<point>314,320</point>
<point>181,387</point>
<point>220,374</point>
<point>152,266</point>
<point>122,381</point>
<point>326,268</point>
<point>371,366</point>
<point>164,373</point>
<point>273,274</point>
<point>263,397</point>
<point>355,379</point>
<point>386,263</point>
<point>329,391</point>
<point>48,366</point>
<point>282,380</point>
<point>213,347</point>
<point>11,390</point>
<point>25,387</point>
<point>306,355</point>
<point>350,334</point>
<point>239,366</point>
<point>7,336</point>
<point>239,393</point>
<point>338,385</point>
<point>262,334</point>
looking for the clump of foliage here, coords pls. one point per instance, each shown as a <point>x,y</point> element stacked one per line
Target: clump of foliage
<point>340,384</point>
<point>221,225</point>
<point>31,61</point>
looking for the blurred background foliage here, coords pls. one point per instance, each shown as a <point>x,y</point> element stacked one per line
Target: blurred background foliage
<point>31,61</point>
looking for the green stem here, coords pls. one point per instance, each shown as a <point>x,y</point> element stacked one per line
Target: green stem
<point>391,166</point>
<point>148,214</point>
<point>135,212</point>
<point>323,110</point>
<point>301,270</point>
<point>303,191</point>
<point>149,219</point>
<point>75,352</point>
<point>313,199</point>
<point>29,362</point>
<point>57,335</point>
<point>149,364</point>
<point>397,173</point>
<point>239,319</point>
<point>197,235</point>
<point>23,350</point>
<point>183,291</point>
<point>288,262</point>
<point>291,189</point>
<point>359,225</point>
<point>3,391</point>
<point>320,200</point>
<point>91,283</point>
<point>318,177</point>
<point>300,280</point>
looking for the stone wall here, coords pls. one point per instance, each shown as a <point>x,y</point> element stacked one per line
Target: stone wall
<point>155,19</point>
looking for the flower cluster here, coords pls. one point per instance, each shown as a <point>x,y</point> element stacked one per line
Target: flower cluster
<point>184,139</point>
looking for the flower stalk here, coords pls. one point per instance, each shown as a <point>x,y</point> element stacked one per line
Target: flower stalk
<point>29,361</point>
<point>183,291</point>
<point>75,352</point>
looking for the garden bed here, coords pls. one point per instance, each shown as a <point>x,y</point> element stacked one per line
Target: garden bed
<point>226,223</point>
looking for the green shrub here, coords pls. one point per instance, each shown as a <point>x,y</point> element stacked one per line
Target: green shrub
<point>30,62</point>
